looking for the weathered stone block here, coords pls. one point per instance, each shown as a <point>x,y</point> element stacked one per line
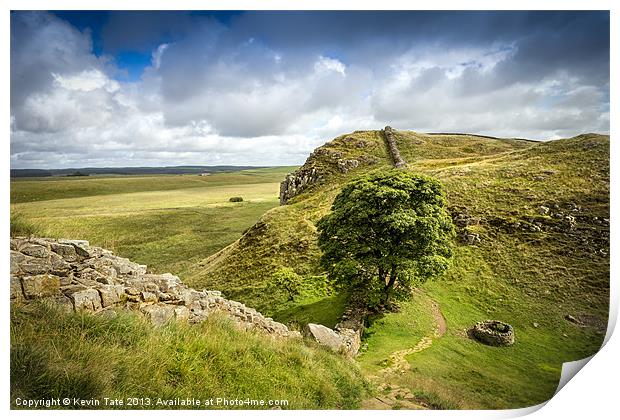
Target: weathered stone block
<point>87,300</point>
<point>81,247</point>
<point>63,302</point>
<point>34,265</point>
<point>159,313</point>
<point>16,259</point>
<point>65,251</point>
<point>167,283</point>
<point>41,286</point>
<point>17,295</point>
<point>148,297</point>
<point>325,336</point>
<point>33,250</point>
<point>110,295</point>
<point>58,265</point>
<point>132,291</point>
<point>151,287</point>
<point>16,243</point>
<point>181,313</point>
<point>72,288</point>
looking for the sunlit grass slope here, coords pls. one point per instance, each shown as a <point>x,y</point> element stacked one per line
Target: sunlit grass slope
<point>532,268</point>
<point>92,357</point>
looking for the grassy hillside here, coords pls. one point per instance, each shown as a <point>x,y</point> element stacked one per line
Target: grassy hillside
<point>89,357</point>
<point>541,211</point>
<point>168,222</point>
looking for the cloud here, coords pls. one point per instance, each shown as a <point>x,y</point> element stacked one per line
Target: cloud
<point>265,88</point>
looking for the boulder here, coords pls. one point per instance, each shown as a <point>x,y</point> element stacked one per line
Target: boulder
<point>325,336</point>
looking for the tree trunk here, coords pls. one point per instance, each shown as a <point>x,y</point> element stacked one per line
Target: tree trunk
<point>390,285</point>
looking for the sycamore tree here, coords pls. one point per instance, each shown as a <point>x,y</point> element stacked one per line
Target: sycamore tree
<point>386,230</point>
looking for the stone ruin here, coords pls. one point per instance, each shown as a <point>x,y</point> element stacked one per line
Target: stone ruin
<point>494,333</point>
<point>79,277</point>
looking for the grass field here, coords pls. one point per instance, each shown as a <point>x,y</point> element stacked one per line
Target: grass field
<point>168,222</point>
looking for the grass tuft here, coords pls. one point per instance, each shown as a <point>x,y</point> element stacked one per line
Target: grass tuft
<point>86,356</point>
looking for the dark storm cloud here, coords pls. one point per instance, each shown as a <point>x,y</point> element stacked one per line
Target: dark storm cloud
<point>267,87</point>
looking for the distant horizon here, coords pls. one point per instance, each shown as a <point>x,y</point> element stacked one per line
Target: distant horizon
<point>241,165</point>
<point>135,170</point>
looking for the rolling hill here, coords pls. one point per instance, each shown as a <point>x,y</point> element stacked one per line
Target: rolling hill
<point>533,250</point>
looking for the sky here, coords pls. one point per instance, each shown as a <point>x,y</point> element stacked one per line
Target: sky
<point>94,89</point>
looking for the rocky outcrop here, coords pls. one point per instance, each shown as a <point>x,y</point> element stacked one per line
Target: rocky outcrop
<point>79,277</point>
<point>388,133</point>
<point>331,158</point>
<point>298,181</point>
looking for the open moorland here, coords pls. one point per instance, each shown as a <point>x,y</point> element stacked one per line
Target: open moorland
<point>169,222</point>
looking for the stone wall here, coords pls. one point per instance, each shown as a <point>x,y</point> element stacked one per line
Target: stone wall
<point>346,337</point>
<point>83,278</point>
<point>388,133</point>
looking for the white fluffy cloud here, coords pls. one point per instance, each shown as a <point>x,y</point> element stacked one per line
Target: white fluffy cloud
<point>215,97</point>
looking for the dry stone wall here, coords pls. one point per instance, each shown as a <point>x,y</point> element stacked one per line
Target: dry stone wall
<point>388,133</point>
<point>346,337</point>
<point>83,278</point>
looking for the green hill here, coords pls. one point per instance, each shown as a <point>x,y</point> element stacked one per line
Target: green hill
<point>533,223</point>
<point>89,357</point>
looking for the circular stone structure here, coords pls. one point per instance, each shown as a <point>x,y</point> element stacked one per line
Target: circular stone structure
<point>494,333</point>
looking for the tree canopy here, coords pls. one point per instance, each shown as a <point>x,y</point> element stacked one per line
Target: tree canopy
<point>386,230</point>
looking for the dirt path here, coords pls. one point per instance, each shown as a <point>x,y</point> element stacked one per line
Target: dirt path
<point>394,396</point>
<point>397,360</point>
